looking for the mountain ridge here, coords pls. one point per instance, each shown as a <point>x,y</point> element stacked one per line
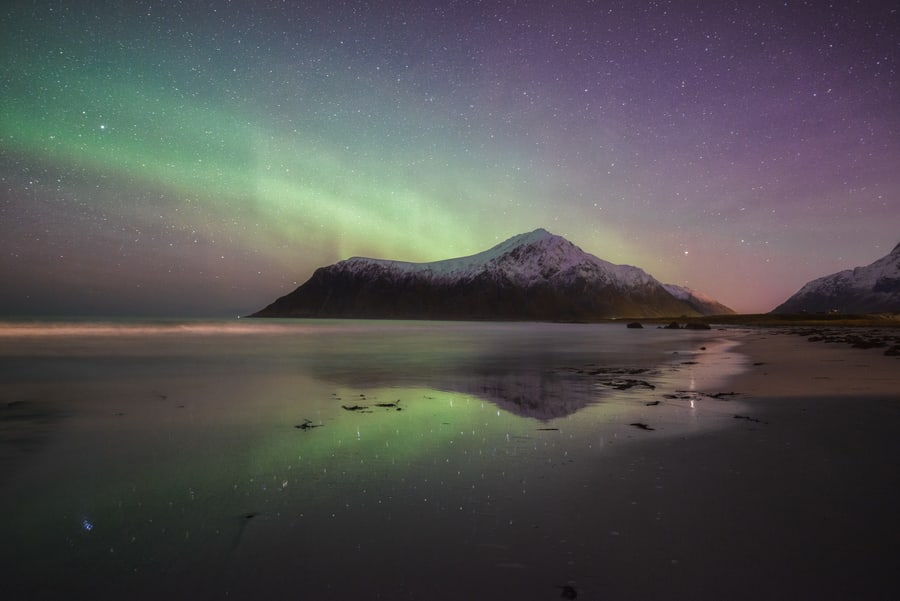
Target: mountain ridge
<point>872,288</point>
<point>704,304</point>
<point>532,276</point>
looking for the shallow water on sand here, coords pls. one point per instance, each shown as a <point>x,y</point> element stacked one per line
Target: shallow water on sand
<point>328,459</point>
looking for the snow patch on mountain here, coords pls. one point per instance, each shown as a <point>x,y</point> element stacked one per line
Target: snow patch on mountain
<point>525,260</point>
<point>867,289</point>
<point>534,276</point>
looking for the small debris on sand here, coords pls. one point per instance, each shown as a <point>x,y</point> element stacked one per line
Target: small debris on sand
<point>862,340</point>
<point>641,425</point>
<point>720,396</point>
<point>627,383</point>
<point>750,419</point>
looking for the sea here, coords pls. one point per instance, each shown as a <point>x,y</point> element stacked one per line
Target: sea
<point>329,459</point>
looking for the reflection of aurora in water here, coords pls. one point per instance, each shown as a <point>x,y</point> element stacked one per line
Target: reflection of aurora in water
<point>178,457</point>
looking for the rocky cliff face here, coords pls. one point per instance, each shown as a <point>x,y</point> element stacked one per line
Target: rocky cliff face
<point>533,276</point>
<point>874,288</point>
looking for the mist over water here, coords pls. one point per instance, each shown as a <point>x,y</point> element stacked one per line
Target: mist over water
<point>214,459</point>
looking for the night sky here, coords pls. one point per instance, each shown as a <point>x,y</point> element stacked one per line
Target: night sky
<point>203,158</point>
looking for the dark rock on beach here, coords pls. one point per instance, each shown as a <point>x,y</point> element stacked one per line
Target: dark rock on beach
<point>395,404</point>
<point>641,426</point>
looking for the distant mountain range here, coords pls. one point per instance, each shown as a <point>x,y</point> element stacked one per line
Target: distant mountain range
<point>874,288</point>
<point>534,276</point>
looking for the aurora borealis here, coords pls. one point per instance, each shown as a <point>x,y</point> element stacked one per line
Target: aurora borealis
<point>203,158</point>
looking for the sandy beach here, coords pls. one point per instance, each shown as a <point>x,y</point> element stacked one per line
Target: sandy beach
<point>798,500</point>
<point>134,477</point>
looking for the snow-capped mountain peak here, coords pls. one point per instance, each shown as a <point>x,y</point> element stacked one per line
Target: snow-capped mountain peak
<point>873,288</point>
<point>525,259</point>
<point>532,276</point>
<point>453,267</point>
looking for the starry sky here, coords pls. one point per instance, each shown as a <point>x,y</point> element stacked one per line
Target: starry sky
<point>203,158</point>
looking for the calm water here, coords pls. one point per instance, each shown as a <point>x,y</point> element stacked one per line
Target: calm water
<point>327,459</point>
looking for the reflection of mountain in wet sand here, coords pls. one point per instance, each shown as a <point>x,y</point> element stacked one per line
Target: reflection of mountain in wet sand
<point>542,394</point>
<point>554,393</point>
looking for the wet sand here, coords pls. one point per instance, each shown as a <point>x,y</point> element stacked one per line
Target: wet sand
<point>795,498</point>
<point>798,499</point>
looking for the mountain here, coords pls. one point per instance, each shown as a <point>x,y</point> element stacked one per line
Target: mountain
<point>874,288</point>
<point>534,276</point>
<point>701,303</point>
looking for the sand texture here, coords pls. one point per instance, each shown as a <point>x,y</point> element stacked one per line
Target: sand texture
<point>497,462</point>
<point>797,501</point>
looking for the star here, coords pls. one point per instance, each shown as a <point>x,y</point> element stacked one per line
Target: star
<point>313,133</point>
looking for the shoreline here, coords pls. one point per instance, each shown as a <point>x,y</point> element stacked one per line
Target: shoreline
<point>786,359</point>
<point>797,502</point>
